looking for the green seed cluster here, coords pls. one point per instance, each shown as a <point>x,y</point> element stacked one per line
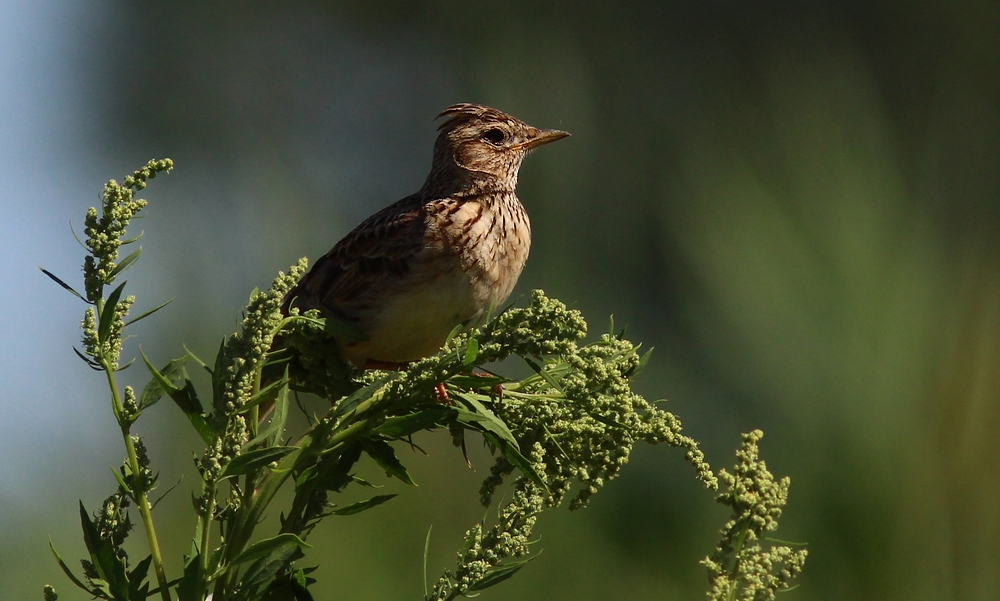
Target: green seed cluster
<point>105,233</point>
<point>246,350</point>
<point>484,551</point>
<point>581,410</point>
<point>110,349</point>
<point>740,568</point>
<point>545,327</point>
<point>243,354</point>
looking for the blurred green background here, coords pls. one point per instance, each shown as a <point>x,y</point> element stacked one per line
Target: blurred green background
<point>796,203</point>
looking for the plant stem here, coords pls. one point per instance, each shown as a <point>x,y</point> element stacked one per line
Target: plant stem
<point>206,536</point>
<point>140,498</point>
<point>311,444</point>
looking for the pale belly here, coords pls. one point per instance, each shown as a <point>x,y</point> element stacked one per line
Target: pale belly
<point>415,323</point>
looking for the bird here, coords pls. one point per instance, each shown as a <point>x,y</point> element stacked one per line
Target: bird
<point>402,280</point>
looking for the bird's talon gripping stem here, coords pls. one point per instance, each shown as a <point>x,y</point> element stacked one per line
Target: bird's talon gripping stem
<point>441,394</point>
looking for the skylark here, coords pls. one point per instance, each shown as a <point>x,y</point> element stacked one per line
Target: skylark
<point>406,276</point>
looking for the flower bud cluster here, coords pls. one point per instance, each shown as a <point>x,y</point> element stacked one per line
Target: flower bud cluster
<point>104,233</point>
<point>740,568</point>
<point>246,350</point>
<point>484,551</point>
<point>582,411</point>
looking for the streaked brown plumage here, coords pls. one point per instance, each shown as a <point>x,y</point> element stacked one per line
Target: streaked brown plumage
<point>407,275</point>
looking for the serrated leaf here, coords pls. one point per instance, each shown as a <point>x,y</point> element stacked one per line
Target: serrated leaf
<point>186,398</point>
<point>63,284</point>
<point>385,457</point>
<point>254,460</point>
<point>267,546</point>
<point>148,313</point>
<point>202,426</point>
<point>197,360</point>
<point>106,561</point>
<point>155,390</point>
<point>267,567</point>
<point>360,506</point>
<point>404,425</point>
<point>498,574</point>
<point>124,264</point>
<point>136,578</point>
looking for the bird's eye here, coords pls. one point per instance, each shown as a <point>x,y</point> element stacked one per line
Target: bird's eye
<point>495,137</point>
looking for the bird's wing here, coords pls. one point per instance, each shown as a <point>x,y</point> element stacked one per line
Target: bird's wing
<point>346,281</point>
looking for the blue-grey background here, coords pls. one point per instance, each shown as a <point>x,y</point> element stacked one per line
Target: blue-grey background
<point>795,203</point>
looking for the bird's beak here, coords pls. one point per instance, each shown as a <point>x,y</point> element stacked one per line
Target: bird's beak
<point>544,136</point>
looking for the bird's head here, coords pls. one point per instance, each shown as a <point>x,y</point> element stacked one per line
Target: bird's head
<point>483,145</point>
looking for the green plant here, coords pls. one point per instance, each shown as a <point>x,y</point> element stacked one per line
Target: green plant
<point>569,426</point>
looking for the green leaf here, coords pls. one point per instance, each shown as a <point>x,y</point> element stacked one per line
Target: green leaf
<point>498,574</point>
<point>188,587</point>
<point>254,460</point>
<point>62,283</point>
<point>351,401</point>
<point>66,570</point>
<point>385,457</point>
<point>121,482</point>
<point>643,360</point>
<point>279,417</point>
<point>267,567</point>
<point>124,264</point>
<point>90,362</point>
<point>264,394</point>
<point>186,398</point>
<point>107,316</point>
<point>148,313</point>
<point>218,386</point>
<point>155,390</point>
<point>105,558</point>
<point>471,352</point>
<point>541,371</point>
<point>136,589</point>
<point>427,547</point>
<point>514,456</point>
<point>454,332</point>
<point>267,546</point>
<point>276,425</point>
<point>360,506</point>
<point>479,417</point>
<point>476,381</point>
<point>425,419</point>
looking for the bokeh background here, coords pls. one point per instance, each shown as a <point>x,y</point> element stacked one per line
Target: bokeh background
<point>796,203</point>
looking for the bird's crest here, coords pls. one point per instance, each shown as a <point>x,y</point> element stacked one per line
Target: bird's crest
<point>466,111</point>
